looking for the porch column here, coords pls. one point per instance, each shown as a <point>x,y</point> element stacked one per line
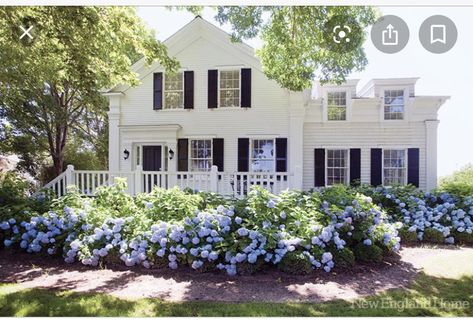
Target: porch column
<point>172,164</point>
<point>296,138</point>
<point>113,132</point>
<point>431,153</point>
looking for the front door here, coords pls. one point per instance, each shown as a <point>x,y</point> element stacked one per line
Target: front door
<point>152,158</point>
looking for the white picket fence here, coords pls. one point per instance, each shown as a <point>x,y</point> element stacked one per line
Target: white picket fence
<point>236,184</point>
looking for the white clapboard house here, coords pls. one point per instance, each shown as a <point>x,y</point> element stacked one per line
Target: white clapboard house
<point>221,125</point>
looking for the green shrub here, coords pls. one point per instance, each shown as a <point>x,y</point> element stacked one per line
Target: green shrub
<point>432,235</point>
<point>246,268</point>
<point>463,238</point>
<point>407,237</point>
<point>295,263</point>
<point>169,204</point>
<point>460,183</point>
<point>364,253</point>
<point>344,258</point>
<point>15,200</point>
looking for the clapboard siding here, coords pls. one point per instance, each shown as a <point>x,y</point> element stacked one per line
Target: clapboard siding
<point>267,116</point>
<point>274,112</point>
<point>364,136</point>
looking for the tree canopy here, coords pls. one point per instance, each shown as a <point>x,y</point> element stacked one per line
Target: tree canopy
<point>297,40</point>
<point>51,85</point>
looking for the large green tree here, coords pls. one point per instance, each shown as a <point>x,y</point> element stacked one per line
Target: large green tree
<point>50,86</point>
<point>297,41</point>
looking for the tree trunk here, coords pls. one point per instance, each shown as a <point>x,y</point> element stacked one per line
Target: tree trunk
<point>58,162</point>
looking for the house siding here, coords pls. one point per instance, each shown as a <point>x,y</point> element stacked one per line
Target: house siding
<point>275,113</point>
<point>363,136</point>
<point>267,117</point>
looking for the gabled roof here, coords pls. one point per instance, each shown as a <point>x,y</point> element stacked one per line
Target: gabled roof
<point>184,37</point>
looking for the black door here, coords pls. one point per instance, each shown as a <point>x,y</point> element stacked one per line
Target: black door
<point>152,158</point>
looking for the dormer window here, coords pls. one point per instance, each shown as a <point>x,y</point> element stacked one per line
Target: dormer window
<point>337,106</point>
<point>229,88</point>
<point>394,104</point>
<point>174,90</point>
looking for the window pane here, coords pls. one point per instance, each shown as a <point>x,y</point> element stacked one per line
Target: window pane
<point>262,155</point>
<point>394,162</point>
<point>336,106</point>
<point>173,91</point>
<point>200,155</point>
<point>393,104</point>
<point>229,88</point>
<point>337,167</point>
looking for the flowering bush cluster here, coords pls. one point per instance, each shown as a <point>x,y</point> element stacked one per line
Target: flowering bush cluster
<point>295,231</point>
<point>432,216</point>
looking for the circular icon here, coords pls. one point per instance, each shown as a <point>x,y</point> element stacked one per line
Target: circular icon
<point>390,34</point>
<point>342,34</point>
<point>25,30</point>
<point>438,34</point>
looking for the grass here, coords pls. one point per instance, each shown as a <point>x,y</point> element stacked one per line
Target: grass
<point>427,296</point>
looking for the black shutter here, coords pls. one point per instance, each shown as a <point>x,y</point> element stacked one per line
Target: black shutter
<point>243,154</point>
<point>281,155</point>
<point>319,167</point>
<point>413,166</point>
<point>355,166</point>
<point>182,154</point>
<point>189,89</point>
<point>212,98</point>
<point>246,87</point>
<point>376,167</point>
<point>218,153</point>
<point>158,91</point>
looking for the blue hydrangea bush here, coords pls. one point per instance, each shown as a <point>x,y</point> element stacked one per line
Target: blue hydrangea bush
<point>427,216</point>
<point>295,231</point>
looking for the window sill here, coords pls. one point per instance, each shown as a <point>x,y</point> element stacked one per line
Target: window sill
<point>229,108</point>
<point>175,110</point>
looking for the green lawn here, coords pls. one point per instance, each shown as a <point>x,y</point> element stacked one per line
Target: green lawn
<point>427,296</point>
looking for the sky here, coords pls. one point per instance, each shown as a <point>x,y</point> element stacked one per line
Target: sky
<point>449,74</point>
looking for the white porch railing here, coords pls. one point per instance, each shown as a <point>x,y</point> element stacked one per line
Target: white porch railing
<point>235,184</point>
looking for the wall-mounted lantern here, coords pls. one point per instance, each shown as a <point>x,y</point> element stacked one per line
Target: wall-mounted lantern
<point>126,154</point>
<point>171,154</point>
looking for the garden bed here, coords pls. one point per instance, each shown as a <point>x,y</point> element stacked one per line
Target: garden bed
<point>294,232</point>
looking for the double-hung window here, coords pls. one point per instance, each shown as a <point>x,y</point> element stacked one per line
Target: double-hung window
<point>174,91</point>
<point>394,167</point>
<point>200,155</point>
<point>337,167</point>
<point>262,155</point>
<point>394,104</point>
<point>229,92</point>
<point>336,106</point>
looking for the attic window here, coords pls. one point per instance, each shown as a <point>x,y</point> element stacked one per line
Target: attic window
<point>174,90</point>
<point>229,81</point>
<point>337,106</point>
<point>394,104</point>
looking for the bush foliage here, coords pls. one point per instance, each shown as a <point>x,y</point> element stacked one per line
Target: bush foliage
<point>460,183</point>
<point>295,231</point>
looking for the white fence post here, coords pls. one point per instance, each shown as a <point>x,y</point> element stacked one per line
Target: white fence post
<point>138,179</point>
<point>214,178</point>
<point>70,175</point>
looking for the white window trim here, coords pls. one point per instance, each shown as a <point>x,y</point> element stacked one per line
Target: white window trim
<point>164,93</point>
<point>406,163</point>
<point>349,102</point>
<point>189,159</point>
<point>250,159</point>
<point>347,183</point>
<point>218,86</point>
<point>406,102</point>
